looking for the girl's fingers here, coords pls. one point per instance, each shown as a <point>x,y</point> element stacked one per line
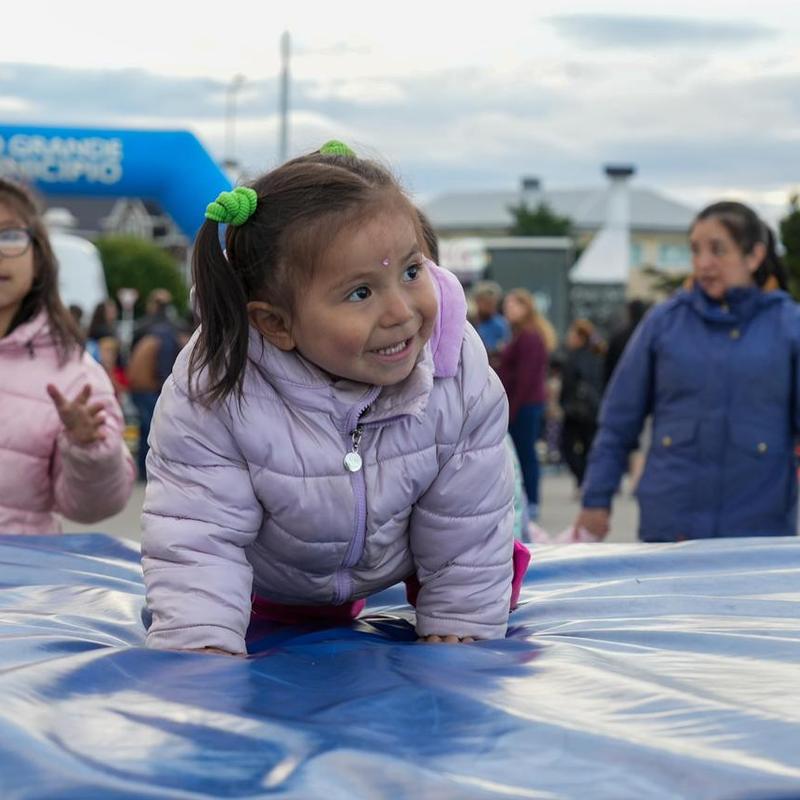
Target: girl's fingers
<point>56,396</point>
<point>95,408</point>
<point>84,395</point>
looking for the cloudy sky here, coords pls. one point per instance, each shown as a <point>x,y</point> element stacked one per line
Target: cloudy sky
<point>704,98</point>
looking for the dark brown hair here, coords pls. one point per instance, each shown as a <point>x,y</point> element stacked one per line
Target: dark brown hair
<point>429,237</point>
<point>302,206</point>
<point>589,337</point>
<point>44,291</point>
<point>747,229</point>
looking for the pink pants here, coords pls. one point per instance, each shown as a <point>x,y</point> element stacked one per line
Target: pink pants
<point>346,613</point>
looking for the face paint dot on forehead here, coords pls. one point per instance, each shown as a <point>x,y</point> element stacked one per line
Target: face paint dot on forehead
<point>385,262</point>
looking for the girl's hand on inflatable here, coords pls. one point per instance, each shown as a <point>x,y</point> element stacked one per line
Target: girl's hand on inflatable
<point>594,520</point>
<point>447,639</point>
<point>82,422</point>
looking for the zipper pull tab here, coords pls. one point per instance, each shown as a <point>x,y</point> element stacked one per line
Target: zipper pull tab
<point>353,461</point>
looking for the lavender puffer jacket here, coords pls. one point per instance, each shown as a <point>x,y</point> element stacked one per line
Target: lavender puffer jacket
<point>257,498</point>
<point>42,474</point>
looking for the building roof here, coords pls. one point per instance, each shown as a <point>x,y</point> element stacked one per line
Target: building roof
<point>649,210</point>
<point>101,215</point>
<point>89,211</point>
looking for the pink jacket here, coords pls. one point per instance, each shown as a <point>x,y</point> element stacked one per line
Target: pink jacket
<point>41,473</point>
<point>256,498</point>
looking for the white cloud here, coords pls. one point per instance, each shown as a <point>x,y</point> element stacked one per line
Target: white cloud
<point>646,31</point>
<point>361,92</point>
<point>15,105</point>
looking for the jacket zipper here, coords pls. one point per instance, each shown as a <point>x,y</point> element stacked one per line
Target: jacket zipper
<point>353,463</point>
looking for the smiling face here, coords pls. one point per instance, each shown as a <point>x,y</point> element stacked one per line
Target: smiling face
<point>16,269</point>
<point>360,319</point>
<point>717,260</point>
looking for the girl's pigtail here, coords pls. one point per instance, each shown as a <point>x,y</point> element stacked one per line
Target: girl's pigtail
<point>221,305</point>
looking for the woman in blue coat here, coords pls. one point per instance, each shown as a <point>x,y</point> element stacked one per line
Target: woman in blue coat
<point>717,367</point>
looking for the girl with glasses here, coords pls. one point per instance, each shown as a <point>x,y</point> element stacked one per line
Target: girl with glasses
<point>61,447</point>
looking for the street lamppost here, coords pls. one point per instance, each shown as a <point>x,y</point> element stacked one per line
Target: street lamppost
<point>236,83</point>
<point>283,144</point>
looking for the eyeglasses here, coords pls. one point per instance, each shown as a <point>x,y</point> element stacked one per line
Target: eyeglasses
<point>14,241</point>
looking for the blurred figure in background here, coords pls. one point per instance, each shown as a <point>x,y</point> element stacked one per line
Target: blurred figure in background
<point>718,367</point>
<point>101,326</point>
<point>492,326</point>
<point>553,414</point>
<point>157,342</point>
<point>581,391</point>
<point>159,309</point>
<point>104,320</point>
<point>634,311</point>
<point>523,371</point>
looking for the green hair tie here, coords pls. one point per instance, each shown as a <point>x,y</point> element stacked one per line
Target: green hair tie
<point>336,148</point>
<point>233,207</point>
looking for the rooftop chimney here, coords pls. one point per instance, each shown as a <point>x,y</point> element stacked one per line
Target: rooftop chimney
<point>607,258</point>
<point>620,170</point>
<point>531,192</point>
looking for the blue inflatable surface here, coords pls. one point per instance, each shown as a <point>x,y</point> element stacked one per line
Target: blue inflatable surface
<point>631,671</point>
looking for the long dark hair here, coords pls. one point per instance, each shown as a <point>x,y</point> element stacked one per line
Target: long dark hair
<point>747,229</point>
<point>302,206</point>
<point>44,291</point>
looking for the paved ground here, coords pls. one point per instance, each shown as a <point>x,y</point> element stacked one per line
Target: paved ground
<point>558,510</point>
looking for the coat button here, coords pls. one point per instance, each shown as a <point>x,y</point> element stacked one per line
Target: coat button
<point>762,447</point>
<point>735,334</point>
<point>666,441</point>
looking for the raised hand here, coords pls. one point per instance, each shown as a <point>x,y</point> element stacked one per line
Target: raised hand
<point>82,422</point>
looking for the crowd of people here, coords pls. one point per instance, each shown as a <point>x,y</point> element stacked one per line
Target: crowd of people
<point>337,425</point>
<point>137,369</point>
<point>554,388</point>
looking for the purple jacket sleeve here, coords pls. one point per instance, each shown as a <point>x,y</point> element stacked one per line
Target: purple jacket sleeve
<point>462,528</point>
<point>200,513</point>
<point>93,482</point>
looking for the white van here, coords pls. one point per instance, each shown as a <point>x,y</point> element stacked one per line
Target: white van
<point>81,280</point>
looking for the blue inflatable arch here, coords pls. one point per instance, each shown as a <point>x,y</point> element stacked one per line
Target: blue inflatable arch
<point>171,167</point>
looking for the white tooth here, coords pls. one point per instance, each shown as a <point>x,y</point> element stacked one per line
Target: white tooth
<point>395,348</point>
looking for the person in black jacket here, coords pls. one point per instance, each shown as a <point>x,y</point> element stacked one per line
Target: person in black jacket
<point>581,391</point>
<point>634,311</point>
